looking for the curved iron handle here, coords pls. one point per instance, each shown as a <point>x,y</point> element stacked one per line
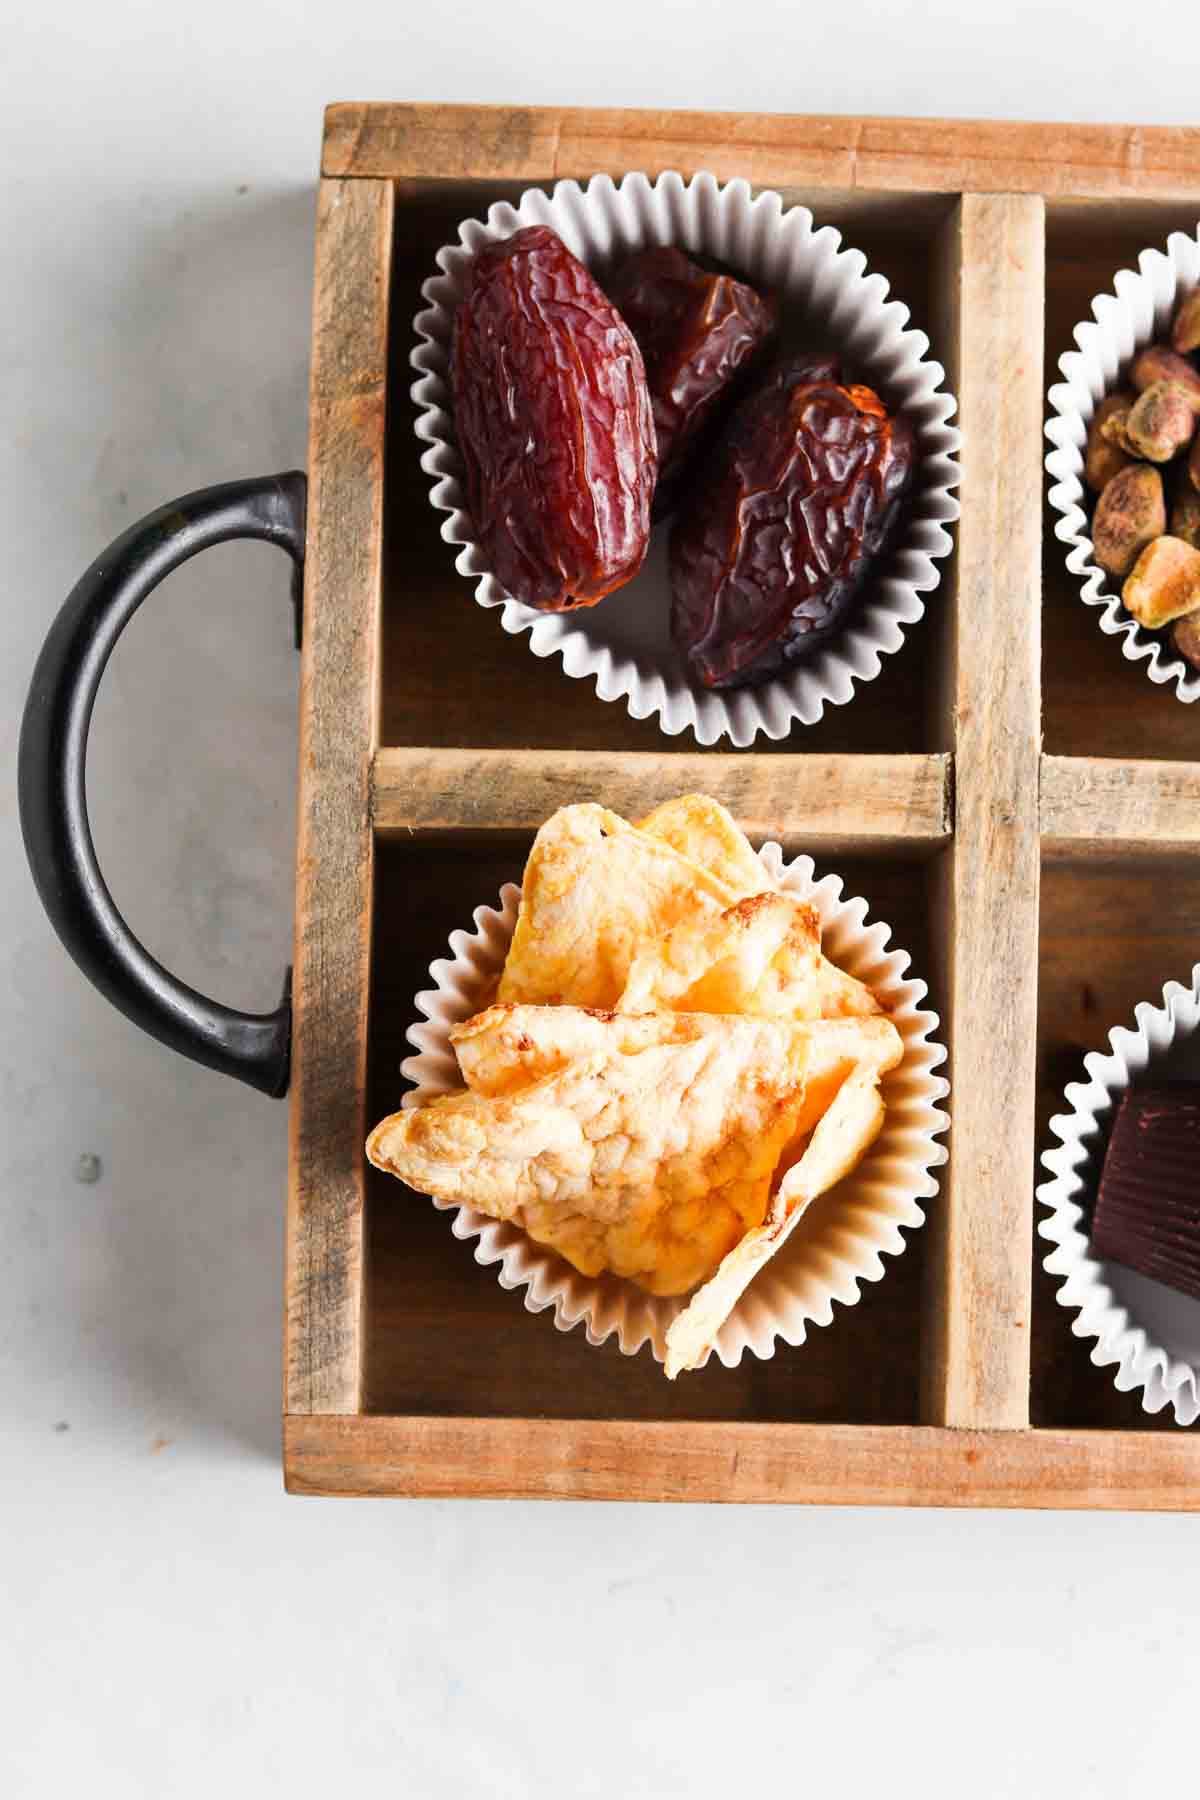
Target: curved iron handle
<point>254,1047</point>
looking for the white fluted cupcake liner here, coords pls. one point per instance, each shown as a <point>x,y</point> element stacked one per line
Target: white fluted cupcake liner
<point>1149,1333</point>
<point>846,1234</point>
<point>832,301</point>
<point>1138,312</point>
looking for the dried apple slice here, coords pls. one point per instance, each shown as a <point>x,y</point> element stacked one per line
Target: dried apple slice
<point>595,889</point>
<point>761,958</point>
<point>651,1145</point>
<point>838,1144</point>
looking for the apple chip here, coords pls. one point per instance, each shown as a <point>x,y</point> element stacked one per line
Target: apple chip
<point>598,891</point>
<point>508,1047</point>
<point>595,889</point>
<point>649,1156</point>
<point>837,1145</point>
<point>837,1047</point>
<point>700,828</point>
<point>761,957</point>
<point>842,996</point>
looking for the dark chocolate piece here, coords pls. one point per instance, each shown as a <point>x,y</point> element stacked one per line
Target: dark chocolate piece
<point>1147,1214</point>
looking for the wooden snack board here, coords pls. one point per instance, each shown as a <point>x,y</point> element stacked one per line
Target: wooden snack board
<point>1017,800</point>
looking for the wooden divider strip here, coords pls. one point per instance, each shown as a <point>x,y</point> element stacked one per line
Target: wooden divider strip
<point>1092,806</point>
<point>338,709</point>
<point>976,1337</point>
<point>831,1465</point>
<point>948,156</point>
<point>821,801</point>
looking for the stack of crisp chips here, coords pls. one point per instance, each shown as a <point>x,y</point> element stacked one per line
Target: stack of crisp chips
<point>672,1070</point>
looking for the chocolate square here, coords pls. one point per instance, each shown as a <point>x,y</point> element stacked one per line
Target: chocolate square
<point>1147,1213</point>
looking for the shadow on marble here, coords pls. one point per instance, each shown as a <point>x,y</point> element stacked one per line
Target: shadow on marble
<point>171,1261</point>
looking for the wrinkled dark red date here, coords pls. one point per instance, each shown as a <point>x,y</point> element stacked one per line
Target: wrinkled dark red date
<point>778,536</point>
<point>697,332</point>
<point>554,424</point>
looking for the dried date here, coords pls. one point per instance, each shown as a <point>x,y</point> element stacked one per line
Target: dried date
<point>554,424</point>
<point>778,536</point>
<point>697,331</point>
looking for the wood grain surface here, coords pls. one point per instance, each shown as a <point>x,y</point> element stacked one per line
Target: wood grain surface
<point>978,1336</point>
<point>839,1465</point>
<point>395,140</point>
<point>817,802</point>
<point>1097,806</point>
<point>338,683</point>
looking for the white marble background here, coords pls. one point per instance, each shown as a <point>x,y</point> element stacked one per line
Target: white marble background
<point>172,1625</point>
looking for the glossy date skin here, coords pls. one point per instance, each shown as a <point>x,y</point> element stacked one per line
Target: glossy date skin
<point>554,424</point>
<point>780,533</point>
<point>698,332</point>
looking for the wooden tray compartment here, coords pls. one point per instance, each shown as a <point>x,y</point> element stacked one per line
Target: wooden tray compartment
<point>1113,933</point>
<point>434,1323</point>
<point>475,684</point>
<point>1096,703</point>
<point>430,754</point>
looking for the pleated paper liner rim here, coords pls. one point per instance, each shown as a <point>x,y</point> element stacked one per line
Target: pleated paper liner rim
<point>842,1241</point>
<point>1137,312</point>
<point>623,645</point>
<point>1121,1342</point>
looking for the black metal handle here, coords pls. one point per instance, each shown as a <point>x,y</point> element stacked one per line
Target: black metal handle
<point>254,1047</point>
